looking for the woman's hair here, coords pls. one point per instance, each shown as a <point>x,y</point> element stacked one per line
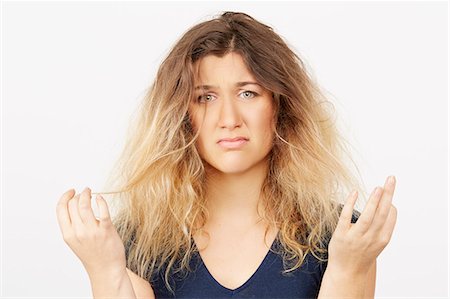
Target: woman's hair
<point>160,175</point>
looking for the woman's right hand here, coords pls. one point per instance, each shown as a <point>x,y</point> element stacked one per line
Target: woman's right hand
<point>96,242</point>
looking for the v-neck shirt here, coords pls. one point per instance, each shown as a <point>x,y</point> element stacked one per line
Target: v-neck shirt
<point>268,281</point>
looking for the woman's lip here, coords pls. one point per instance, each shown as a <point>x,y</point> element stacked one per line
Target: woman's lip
<point>233,139</point>
<point>233,144</point>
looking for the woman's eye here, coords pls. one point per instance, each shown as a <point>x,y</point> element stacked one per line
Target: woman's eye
<point>248,94</point>
<point>205,98</point>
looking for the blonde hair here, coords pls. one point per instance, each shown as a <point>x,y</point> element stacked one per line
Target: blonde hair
<point>160,175</point>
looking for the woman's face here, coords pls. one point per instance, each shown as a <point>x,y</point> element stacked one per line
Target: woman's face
<point>233,113</point>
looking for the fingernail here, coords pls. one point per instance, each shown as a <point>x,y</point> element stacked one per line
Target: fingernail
<point>86,189</point>
<point>391,179</point>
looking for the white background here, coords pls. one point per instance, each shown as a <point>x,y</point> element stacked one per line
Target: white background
<point>73,73</point>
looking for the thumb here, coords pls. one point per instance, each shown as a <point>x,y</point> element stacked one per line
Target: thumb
<point>104,216</point>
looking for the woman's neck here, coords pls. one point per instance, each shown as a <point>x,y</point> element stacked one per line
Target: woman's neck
<point>232,199</point>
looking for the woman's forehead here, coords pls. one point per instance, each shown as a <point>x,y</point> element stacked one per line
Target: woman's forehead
<point>229,66</point>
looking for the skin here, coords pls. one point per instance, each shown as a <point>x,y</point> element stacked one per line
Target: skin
<point>95,241</point>
<point>97,244</point>
<point>353,248</point>
<point>234,180</point>
<point>369,235</point>
<point>228,110</point>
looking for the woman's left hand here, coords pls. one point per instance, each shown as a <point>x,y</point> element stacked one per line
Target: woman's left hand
<point>354,247</point>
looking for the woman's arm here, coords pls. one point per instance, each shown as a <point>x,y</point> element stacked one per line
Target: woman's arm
<point>339,284</point>
<point>354,247</point>
<point>141,287</point>
<point>99,247</point>
<point>112,285</point>
<point>121,285</point>
<point>371,281</point>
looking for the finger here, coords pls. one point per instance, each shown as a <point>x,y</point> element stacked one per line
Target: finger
<point>77,224</point>
<point>104,217</point>
<point>388,228</point>
<point>366,217</point>
<point>62,212</point>
<point>384,206</point>
<point>85,208</point>
<point>345,218</point>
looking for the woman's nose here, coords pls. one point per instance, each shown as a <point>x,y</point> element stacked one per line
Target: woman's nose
<point>229,116</point>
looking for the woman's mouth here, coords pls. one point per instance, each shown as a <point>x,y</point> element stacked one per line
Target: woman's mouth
<point>233,143</point>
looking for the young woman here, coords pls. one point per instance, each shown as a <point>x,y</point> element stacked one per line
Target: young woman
<point>231,183</point>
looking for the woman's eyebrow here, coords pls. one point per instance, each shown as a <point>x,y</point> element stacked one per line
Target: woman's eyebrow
<point>238,84</point>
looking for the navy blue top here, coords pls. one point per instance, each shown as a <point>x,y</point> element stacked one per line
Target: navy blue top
<point>267,282</point>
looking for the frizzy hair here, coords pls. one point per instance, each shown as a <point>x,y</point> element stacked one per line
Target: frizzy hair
<point>160,175</point>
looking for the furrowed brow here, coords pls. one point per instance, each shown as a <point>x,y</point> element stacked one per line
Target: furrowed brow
<point>206,87</point>
<point>238,84</point>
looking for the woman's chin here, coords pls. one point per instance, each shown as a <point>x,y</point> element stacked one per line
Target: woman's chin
<point>232,167</point>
